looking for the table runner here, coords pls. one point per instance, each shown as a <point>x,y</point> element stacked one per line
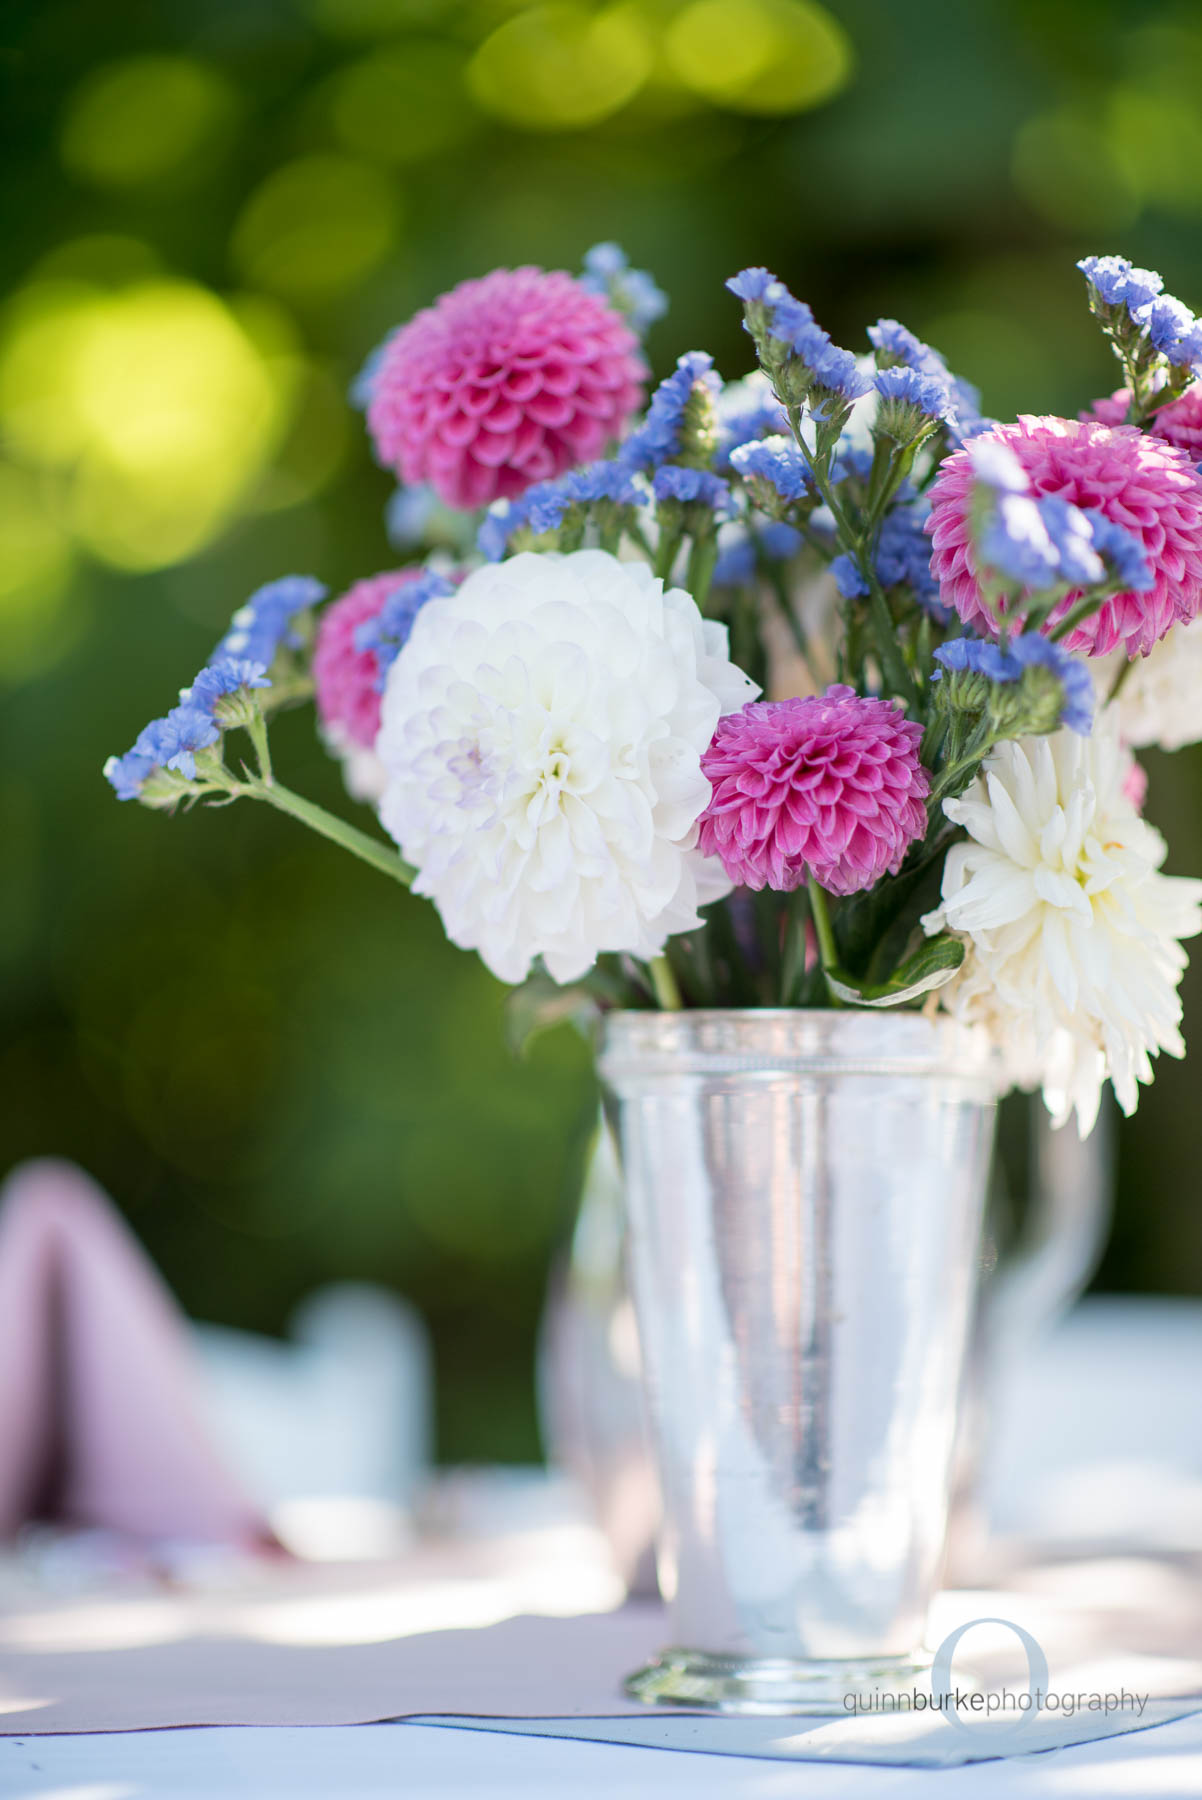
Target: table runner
<point>322,1645</point>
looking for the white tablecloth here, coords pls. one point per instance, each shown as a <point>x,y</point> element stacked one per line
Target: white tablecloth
<point>383,1762</point>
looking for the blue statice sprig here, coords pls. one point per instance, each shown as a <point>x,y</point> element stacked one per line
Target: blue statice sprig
<point>692,487</point>
<point>747,410</point>
<point>605,493</point>
<point>776,475</point>
<point>225,690</point>
<point>741,552</point>
<point>607,271</point>
<point>958,407</point>
<point>175,757</point>
<point>386,635</point>
<point>273,619</point>
<point>681,423</point>
<point>1043,544</point>
<point>911,405</point>
<point>1156,338</point>
<point>1031,687</point>
<point>798,356</point>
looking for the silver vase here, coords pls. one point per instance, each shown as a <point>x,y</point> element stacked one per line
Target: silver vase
<point>804,1195</point>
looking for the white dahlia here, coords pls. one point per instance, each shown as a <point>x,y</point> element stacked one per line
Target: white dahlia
<point>1073,932</point>
<point>542,733</point>
<point>1160,701</point>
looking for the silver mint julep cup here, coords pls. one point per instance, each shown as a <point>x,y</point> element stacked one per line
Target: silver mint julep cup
<point>804,1196</point>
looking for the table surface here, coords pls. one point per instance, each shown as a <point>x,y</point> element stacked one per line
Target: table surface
<point>381,1762</point>
<point>370,1762</point>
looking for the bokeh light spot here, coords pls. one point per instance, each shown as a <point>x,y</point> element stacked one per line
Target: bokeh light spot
<point>146,119</point>
<point>562,67</point>
<point>403,105</point>
<point>154,402</point>
<point>38,613</point>
<point>759,56</point>
<point>317,226</point>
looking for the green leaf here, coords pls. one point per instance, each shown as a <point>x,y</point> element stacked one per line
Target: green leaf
<point>539,1005</point>
<point>931,966</point>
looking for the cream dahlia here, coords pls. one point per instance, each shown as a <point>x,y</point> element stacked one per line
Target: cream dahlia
<point>1073,932</point>
<point>542,732</point>
<point>1160,701</point>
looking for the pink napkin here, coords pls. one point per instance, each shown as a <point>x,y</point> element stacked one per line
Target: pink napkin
<point>101,1419</point>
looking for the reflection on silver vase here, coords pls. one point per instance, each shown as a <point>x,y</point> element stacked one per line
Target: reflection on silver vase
<point>804,1194</point>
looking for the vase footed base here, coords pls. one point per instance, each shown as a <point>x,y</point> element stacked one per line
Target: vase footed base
<point>767,1685</point>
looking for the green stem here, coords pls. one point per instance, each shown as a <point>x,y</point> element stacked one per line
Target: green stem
<point>664,982</point>
<point>1084,609</point>
<point>893,663</point>
<point>257,729</point>
<point>1120,678</point>
<point>327,825</point>
<point>703,558</point>
<point>820,914</point>
<point>668,551</point>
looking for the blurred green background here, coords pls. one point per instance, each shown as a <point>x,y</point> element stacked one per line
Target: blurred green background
<point>212,209</point>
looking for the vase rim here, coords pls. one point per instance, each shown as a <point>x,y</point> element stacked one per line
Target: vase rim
<point>796,1041</point>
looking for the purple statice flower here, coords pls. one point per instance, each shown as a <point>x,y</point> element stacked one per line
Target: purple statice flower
<point>995,464</point>
<point>791,323</point>
<point>850,462</point>
<point>540,509</point>
<point>1032,651</point>
<point>630,291</point>
<point>829,788</point>
<point>896,345</point>
<point>775,461</point>
<point>902,557</point>
<point>1122,552</point>
<point>1174,331</point>
<point>672,482</point>
<point>408,513</point>
<point>657,439</point>
<point>1116,283</point>
<point>386,635</point>
<point>848,578</point>
<point>980,656</point>
<point>604,481</point>
<point>544,507</point>
<point>754,286</point>
<point>1015,541</point>
<point>740,553</point>
<point>225,676</point>
<point>748,410</point>
<point>267,621</point>
<point>498,525</point>
<point>974,656</point>
<point>901,389</point>
<point>168,743</point>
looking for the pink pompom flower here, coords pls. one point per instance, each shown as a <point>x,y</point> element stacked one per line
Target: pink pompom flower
<point>344,678</point>
<point>1179,423</point>
<point>830,787</point>
<point>1140,482</point>
<point>501,383</point>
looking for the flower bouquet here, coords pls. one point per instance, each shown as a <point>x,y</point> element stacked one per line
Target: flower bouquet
<point>790,724</point>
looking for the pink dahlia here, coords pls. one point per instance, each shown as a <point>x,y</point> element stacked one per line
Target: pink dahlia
<point>830,787</point>
<point>344,679</point>
<point>1140,482</point>
<point>1179,423</point>
<point>501,383</point>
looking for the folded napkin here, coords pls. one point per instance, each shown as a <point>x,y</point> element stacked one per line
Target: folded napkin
<point>101,1413</point>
